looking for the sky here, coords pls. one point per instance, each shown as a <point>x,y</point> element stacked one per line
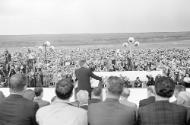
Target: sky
<point>19,17</point>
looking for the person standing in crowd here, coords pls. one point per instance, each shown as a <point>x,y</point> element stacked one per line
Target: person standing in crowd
<point>162,112</point>
<point>150,99</point>
<point>30,59</point>
<point>61,111</point>
<point>32,78</point>
<point>83,75</point>
<point>3,79</point>
<point>96,95</point>
<point>11,71</point>
<point>15,109</point>
<point>38,97</point>
<point>111,112</point>
<point>39,78</point>
<point>7,56</point>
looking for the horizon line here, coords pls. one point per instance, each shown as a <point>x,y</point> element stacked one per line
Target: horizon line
<point>92,33</point>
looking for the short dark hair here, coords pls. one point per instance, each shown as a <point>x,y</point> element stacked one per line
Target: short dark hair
<point>17,82</point>
<point>38,91</point>
<point>96,91</point>
<point>64,89</point>
<point>164,87</point>
<point>115,85</point>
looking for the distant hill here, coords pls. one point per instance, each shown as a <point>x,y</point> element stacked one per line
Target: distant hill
<point>58,40</point>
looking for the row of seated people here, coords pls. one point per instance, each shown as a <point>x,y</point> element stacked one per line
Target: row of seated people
<point>26,107</point>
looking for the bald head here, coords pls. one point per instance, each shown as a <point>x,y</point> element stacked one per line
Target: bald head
<point>17,82</point>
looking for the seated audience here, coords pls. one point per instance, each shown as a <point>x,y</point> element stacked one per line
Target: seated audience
<point>95,95</point>
<point>82,97</point>
<point>61,111</point>
<point>162,112</point>
<point>151,97</point>
<point>29,94</point>
<point>178,89</point>
<point>15,109</point>
<point>38,97</point>
<point>124,99</point>
<point>111,112</point>
<point>2,97</point>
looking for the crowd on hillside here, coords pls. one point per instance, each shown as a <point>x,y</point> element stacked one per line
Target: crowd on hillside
<point>46,69</point>
<point>26,107</point>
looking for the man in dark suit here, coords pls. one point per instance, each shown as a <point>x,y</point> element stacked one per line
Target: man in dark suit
<point>111,111</point>
<point>162,112</point>
<point>15,109</point>
<point>150,99</point>
<point>83,75</point>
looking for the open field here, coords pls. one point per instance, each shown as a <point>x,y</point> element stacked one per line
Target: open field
<point>147,40</point>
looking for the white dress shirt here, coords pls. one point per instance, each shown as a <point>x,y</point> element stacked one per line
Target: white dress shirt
<point>61,113</point>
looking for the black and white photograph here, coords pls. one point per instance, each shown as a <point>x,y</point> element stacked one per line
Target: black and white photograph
<point>94,62</point>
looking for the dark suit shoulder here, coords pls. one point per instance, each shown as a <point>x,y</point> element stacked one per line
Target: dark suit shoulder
<point>147,101</point>
<point>117,105</point>
<point>163,105</point>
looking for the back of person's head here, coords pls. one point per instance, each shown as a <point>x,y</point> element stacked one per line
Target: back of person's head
<point>38,91</point>
<point>29,94</point>
<point>184,99</point>
<point>178,89</point>
<point>96,92</point>
<point>115,85</point>
<point>151,91</point>
<point>82,96</point>
<point>126,92</point>
<point>64,89</point>
<point>82,62</point>
<point>164,87</point>
<point>17,83</point>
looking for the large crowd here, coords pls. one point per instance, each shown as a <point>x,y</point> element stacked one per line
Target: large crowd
<point>46,68</point>
<point>27,107</point>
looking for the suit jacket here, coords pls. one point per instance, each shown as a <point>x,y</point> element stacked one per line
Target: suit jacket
<point>162,113</point>
<point>110,112</point>
<point>147,101</point>
<point>16,110</point>
<point>83,76</point>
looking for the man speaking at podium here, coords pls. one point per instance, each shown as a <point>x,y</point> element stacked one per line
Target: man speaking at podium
<point>83,75</point>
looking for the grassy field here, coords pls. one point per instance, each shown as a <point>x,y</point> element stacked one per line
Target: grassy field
<point>147,40</point>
